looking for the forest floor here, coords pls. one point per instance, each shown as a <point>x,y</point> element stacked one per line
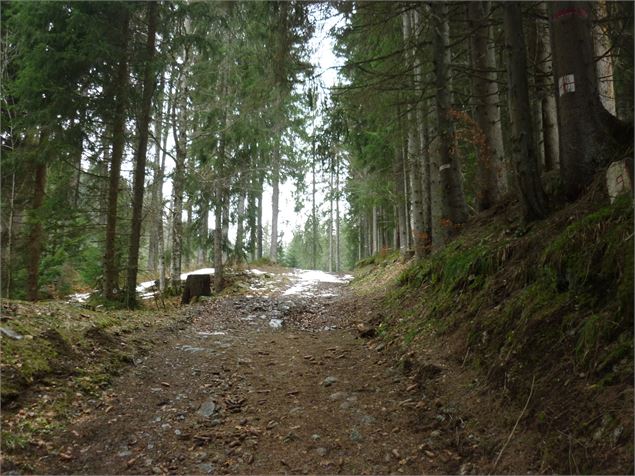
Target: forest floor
<point>275,379</point>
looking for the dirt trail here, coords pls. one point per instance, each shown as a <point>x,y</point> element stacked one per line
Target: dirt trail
<point>262,383</point>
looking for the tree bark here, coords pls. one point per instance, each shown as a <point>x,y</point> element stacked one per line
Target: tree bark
<point>111,273</point>
<point>398,177</point>
<point>546,90</point>
<point>413,147</point>
<point>491,169</point>
<point>202,251</point>
<point>35,235</point>
<point>524,162</point>
<point>604,61</point>
<point>240,225</point>
<point>454,206</point>
<point>178,179</point>
<point>259,239</point>
<point>218,241</point>
<point>275,196</point>
<point>149,81</point>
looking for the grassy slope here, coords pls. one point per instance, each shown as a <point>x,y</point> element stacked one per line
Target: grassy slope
<point>552,305</point>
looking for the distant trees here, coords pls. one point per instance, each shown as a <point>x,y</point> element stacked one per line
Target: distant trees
<point>423,131</point>
<point>79,101</point>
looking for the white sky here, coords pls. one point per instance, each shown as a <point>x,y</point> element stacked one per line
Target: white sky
<point>325,63</point>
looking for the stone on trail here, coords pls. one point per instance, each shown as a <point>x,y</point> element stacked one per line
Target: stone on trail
<point>338,396</point>
<point>355,435</point>
<point>207,409</point>
<point>206,468</point>
<point>328,381</point>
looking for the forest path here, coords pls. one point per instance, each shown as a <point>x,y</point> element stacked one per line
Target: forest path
<point>266,382</point>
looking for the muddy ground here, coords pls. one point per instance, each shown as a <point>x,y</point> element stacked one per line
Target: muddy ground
<point>272,383</point>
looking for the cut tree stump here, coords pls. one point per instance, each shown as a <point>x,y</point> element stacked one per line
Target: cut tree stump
<point>196,285</point>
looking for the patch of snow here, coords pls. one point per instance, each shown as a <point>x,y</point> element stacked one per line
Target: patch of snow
<point>79,297</point>
<point>197,271</point>
<point>307,279</point>
<point>215,333</point>
<point>143,287</point>
<point>257,272</point>
<point>275,323</point>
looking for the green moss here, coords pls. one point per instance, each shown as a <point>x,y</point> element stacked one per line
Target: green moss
<point>12,441</point>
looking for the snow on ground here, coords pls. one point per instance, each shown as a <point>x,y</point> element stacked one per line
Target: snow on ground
<point>198,271</point>
<point>257,272</point>
<point>307,280</point>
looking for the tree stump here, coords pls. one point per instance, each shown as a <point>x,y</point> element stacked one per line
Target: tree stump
<point>196,285</point>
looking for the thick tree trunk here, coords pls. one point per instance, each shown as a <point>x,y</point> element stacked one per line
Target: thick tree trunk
<point>454,207</point>
<point>35,235</point>
<point>491,171</point>
<point>140,159</point>
<point>546,90</point>
<point>524,162</point>
<point>111,272</point>
<point>587,129</point>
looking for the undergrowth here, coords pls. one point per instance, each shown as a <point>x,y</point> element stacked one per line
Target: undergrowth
<point>555,303</point>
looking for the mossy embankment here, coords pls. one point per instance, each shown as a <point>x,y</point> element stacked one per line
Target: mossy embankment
<point>545,310</point>
<point>63,354</point>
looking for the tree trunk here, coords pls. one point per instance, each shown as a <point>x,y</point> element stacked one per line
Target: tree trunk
<point>375,233</point>
<point>156,207</point>
<point>111,273</point>
<point>331,194</point>
<point>240,227</point>
<point>178,179</point>
<point>413,147</point>
<point>201,252</point>
<point>251,217</point>
<point>422,118</point>
<point>491,168</point>
<point>546,89</point>
<point>314,220</point>
<point>604,61</point>
<point>275,196</point>
<point>534,94</point>
<point>140,159</point>
<point>218,241</point>
<point>8,263</point>
<point>259,239</point>
<point>397,170</point>
<point>454,207</point>
<point>524,162</point>
<point>587,129</point>
<point>338,258</point>
<point>35,237</point>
